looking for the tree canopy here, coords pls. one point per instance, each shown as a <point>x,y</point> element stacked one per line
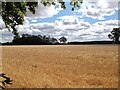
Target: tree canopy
<point>63,40</point>
<point>115,34</point>
<point>28,39</point>
<point>13,13</point>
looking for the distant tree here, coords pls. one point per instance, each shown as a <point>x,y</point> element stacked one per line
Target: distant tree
<point>40,36</point>
<point>63,40</point>
<point>54,41</point>
<point>115,34</point>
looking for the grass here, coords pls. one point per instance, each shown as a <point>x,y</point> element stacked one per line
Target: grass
<point>80,66</point>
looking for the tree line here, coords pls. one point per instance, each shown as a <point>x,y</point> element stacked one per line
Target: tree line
<point>27,39</point>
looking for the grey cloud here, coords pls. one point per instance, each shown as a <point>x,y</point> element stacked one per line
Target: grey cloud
<point>41,26</point>
<point>6,36</point>
<point>113,4</point>
<point>85,34</point>
<point>71,29</point>
<point>43,12</point>
<point>112,24</point>
<point>67,22</point>
<point>86,25</point>
<point>98,10</point>
<point>95,14</point>
<point>79,32</point>
<point>2,25</point>
<point>99,32</point>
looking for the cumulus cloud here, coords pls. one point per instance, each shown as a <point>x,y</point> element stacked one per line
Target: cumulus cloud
<point>2,25</point>
<point>68,20</point>
<point>5,35</point>
<point>71,23</point>
<point>44,11</point>
<point>72,27</point>
<point>98,9</point>
<point>76,30</point>
<point>42,26</point>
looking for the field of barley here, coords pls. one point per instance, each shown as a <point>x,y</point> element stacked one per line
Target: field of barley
<point>61,66</point>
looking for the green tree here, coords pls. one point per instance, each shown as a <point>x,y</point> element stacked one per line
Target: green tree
<point>13,13</point>
<point>63,40</point>
<point>115,34</point>
<point>28,39</point>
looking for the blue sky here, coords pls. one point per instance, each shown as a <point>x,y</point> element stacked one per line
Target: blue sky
<point>91,22</point>
<point>68,12</point>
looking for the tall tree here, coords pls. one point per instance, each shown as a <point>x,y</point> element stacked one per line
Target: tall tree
<point>13,14</point>
<point>115,34</point>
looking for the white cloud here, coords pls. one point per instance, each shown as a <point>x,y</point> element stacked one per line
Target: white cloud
<point>76,30</point>
<point>5,35</point>
<point>34,20</point>
<point>44,11</point>
<point>2,25</point>
<point>99,9</point>
<point>72,27</point>
<point>68,20</point>
<point>42,26</point>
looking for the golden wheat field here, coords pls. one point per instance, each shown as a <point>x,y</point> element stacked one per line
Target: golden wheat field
<point>61,66</point>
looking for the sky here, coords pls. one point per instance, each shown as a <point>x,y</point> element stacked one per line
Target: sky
<point>93,21</point>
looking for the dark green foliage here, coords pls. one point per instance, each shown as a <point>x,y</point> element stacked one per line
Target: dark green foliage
<point>7,43</point>
<point>115,34</point>
<point>75,4</point>
<point>27,39</point>
<point>13,14</point>
<point>63,40</point>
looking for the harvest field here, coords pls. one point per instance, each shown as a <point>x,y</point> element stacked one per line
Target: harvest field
<point>65,66</point>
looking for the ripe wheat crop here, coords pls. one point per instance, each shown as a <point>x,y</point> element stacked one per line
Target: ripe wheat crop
<point>65,66</point>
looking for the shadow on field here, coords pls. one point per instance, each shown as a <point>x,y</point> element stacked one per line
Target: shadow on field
<point>6,81</point>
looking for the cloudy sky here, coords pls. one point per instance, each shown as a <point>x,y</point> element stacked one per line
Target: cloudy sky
<point>92,21</point>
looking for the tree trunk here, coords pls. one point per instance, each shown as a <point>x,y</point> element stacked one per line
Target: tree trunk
<point>15,32</point>
<point>116,39</point>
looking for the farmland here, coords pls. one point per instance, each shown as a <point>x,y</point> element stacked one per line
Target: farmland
<point>61,66</point>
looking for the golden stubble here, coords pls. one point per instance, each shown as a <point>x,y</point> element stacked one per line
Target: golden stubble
<point>65,66</point>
